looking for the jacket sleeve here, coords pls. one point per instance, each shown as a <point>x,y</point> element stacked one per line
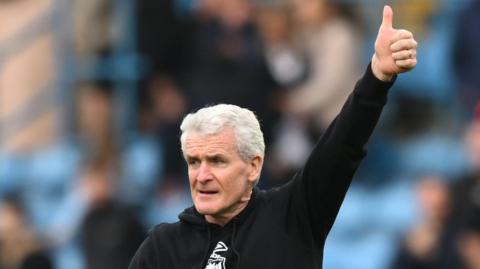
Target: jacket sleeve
<point>316,193</point>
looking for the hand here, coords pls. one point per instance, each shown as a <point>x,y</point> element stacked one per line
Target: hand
<point>395,50</point>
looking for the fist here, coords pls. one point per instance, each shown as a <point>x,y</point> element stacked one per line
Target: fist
<point>395,50</point>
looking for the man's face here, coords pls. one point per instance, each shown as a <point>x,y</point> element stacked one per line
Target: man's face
<point>220,180</point>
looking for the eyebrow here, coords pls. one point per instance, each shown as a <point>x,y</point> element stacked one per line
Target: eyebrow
<point>190,157</point>
<point>209,157</point>
<point>216,156</point>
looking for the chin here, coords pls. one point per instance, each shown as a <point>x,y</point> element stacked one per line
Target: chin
<point>206,208</point>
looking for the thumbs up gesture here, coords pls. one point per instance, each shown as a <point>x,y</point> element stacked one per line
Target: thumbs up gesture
<point>395,50</point>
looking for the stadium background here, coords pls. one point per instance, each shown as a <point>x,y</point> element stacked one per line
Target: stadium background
<point>92,93</point>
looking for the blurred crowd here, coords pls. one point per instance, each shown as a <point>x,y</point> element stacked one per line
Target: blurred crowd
<point>92,93</point>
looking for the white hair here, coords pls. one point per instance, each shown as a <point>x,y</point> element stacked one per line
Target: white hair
<point>214,119</point>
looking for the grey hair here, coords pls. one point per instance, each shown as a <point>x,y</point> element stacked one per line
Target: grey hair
<point>214,119</point>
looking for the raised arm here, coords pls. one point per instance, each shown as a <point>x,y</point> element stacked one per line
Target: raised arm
<point>316,193</point>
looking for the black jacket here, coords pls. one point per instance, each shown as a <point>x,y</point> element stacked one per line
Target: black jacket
<point>284,227</point>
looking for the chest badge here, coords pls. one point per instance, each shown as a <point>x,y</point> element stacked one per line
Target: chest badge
<point>216,260</point>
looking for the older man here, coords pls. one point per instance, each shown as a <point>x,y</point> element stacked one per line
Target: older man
<point>234,225</point>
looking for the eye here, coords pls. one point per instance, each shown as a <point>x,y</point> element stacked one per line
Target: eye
<point>217,160</point>
<point>193,162</point>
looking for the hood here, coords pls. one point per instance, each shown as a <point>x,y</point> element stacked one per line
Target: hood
<point>190,215</point>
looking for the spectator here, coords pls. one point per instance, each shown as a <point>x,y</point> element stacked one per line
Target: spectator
<point>95,108</point>
<point>469,244</point>
<point>429,244</point>
<point>466,191</point>
<point>323,39</point>
<point>110,233</point>
<point>169,105</point>
<point>227,63</point>
<point>285,62</point>
<point>326,39</point>
<point>20,248</point>
<point>466,57</point>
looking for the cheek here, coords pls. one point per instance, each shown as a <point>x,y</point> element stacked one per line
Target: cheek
<point>192,177</point>
<point>236,181</point>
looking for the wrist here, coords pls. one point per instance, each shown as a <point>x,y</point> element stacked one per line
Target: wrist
<point>379,74</point>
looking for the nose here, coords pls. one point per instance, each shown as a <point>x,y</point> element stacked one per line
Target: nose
<point>204,173</point>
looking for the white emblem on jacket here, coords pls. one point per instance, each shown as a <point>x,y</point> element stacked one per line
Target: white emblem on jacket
<point>217,261</point>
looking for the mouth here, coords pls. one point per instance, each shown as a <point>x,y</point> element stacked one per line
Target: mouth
<point>207,193</point>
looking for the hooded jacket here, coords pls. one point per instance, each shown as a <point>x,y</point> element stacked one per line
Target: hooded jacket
<point>285,227</point>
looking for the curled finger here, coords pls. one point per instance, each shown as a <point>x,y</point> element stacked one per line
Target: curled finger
<point>404,44</point>
<point>401,34</point>
<point>404,54</point>
<point>407,63</point>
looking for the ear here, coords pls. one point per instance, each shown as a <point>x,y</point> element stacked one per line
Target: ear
<point>255,168</point>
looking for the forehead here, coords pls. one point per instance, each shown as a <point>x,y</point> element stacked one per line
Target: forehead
<point>223,142</point>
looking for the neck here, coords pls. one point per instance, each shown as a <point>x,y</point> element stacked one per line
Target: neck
<point>225,217</point>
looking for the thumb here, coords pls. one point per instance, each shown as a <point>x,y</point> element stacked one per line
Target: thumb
<point>387,17</point>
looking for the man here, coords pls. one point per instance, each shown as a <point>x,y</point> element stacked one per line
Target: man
<point>235,225</point>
